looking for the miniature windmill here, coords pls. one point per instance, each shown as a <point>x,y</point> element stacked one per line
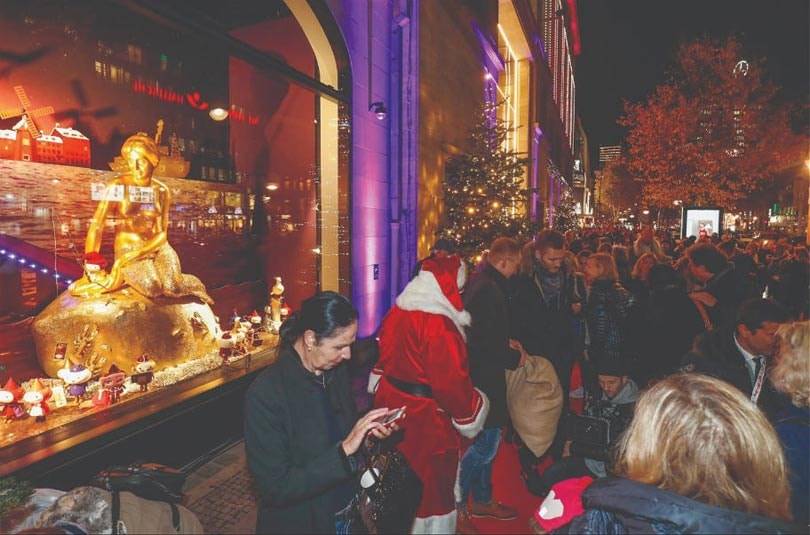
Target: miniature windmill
<point>26,112</point>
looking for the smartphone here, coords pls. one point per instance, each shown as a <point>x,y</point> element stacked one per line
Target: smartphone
<point>392,416</point>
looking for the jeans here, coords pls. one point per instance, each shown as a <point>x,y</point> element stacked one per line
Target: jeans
<point>476,467</point>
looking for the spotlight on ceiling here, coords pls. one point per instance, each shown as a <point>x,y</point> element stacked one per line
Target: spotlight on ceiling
<point>379,110</point>
<point>218,113</point>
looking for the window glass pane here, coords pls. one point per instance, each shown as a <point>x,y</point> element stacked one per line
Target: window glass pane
<point>81,77</point>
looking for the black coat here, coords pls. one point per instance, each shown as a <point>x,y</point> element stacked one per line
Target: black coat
<point>297,463</point>
<point>661,331</point>
<point>730,288</point>
<point>546,329</point>
<point>617,505</point>
<point>487,300</point>
<point>715,353</point>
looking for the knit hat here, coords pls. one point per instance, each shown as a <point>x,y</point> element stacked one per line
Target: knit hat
<point>563,503</point>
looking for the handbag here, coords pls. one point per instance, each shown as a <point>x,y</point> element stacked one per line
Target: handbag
<point>388,495</point>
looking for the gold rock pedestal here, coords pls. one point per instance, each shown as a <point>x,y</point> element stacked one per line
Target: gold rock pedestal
<point>118,327</point>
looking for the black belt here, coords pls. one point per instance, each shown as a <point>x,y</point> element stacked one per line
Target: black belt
<point>415,389</point>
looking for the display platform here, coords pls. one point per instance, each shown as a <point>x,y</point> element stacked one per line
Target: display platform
<point>169,425</point>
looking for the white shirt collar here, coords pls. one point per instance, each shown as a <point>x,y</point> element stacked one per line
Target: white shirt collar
<point>749,358</point>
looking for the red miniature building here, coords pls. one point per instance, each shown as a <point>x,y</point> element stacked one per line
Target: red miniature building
<point>63,146</point>
<point>27,142</point>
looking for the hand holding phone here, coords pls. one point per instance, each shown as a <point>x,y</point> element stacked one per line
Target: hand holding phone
<point>391,416</point>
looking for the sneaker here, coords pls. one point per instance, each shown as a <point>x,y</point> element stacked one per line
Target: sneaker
<point>464,524</point>
<point>493,510</point>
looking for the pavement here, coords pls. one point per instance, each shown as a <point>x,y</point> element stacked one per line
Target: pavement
<point>221,493</point>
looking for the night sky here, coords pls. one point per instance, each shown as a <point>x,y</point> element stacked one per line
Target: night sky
<point>628,45</point>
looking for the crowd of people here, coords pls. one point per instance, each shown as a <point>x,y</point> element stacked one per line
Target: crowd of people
<point>683,366</point>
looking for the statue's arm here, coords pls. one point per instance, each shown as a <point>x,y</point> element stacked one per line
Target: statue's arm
<point>92,244</point>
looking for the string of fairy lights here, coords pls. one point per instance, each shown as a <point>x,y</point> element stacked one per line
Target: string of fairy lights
<point>27,263</point>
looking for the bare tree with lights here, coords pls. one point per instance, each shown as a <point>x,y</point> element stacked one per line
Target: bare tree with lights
<point>484,188</point>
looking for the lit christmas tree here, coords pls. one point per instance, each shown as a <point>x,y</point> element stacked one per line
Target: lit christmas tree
<point>484,189</point>
<point>565,213</point>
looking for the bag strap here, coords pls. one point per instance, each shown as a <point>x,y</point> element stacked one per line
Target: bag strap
<point>118,527</point>
<point>175,517</point>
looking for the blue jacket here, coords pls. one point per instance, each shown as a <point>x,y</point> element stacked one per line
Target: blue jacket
<point>793,427</point>
<point>617,505</point>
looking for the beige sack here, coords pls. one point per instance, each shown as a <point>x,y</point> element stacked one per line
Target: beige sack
<point>91,509</point>
<point>534,398</point>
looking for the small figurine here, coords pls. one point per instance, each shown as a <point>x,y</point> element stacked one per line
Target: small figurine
<point>255,327</point>
<point>94,268</point>
<point>236,321</point>
<point>276,300</point>
<point>76,375</point>
<point>10,396</point>
<point>143,372</point>
<point>226,344</point>
<point>37,399</point>
<point>112,384</point>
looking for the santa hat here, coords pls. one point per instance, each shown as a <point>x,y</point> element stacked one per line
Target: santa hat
<point>563,503</point>
<point>436,290</point>
<point>450,273</point>
<point>95,258</point>
<point>144,358</point>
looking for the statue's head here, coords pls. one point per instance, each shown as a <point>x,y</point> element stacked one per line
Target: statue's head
<point>142,156</point>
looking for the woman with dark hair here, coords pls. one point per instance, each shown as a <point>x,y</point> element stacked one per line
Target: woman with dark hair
<point>301,428</point>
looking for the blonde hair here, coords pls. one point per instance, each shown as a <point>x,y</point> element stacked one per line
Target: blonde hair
<point>637,266</point>
<point>699,437</point>
<point>606,265</point>
<point>791,374</point>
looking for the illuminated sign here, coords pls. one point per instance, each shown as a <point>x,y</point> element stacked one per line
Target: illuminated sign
<point>192,99</point>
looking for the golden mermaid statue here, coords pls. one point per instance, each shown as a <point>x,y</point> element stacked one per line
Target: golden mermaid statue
<point>144,259</point>
<point>144,304</point>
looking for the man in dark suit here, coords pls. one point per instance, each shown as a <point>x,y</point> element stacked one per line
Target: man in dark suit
<point>490,352</point>
<point>740,355</point>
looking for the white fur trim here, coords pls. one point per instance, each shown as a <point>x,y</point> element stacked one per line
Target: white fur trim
<point>373,382</point>
<point>461,276</point>
<point>436,524</point>
<point>424,294</point>
<point>457,486</point>
<point>469,427</point>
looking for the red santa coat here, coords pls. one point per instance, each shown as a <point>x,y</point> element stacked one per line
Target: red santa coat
<point>422,341</point>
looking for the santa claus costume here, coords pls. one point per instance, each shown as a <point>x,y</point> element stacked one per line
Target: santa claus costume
<point>423,367</point>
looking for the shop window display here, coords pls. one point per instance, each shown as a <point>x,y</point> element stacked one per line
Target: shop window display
<point>155,185</point>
